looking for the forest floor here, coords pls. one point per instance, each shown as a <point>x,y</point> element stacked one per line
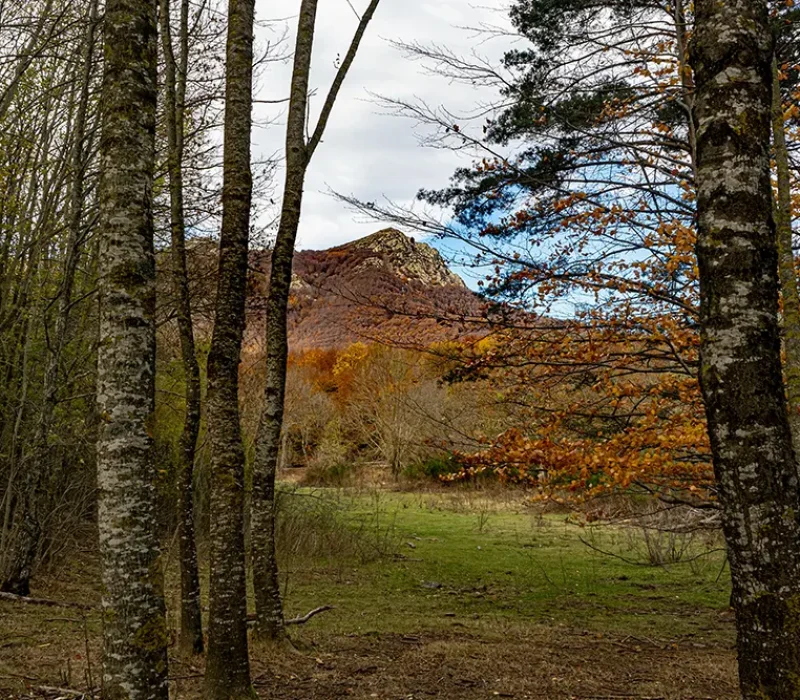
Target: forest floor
<point>441,594</point>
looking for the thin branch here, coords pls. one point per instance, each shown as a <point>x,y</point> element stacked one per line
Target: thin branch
<point>338,81</point>
<point>305,618</point>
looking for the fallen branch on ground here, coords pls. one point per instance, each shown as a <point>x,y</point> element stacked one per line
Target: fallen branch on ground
<point>63,692</point>
<point>251,619</point>
<point>10,675</point>
<point>14,598</point>
<point>305,618</point>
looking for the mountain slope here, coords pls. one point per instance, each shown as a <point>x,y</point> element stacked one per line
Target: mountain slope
<point>383,288</point>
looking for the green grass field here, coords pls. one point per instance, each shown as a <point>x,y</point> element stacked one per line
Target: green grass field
<point>479,560</point>
<point>448,593</point>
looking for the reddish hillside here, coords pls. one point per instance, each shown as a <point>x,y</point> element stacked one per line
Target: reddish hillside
<point>385,287</point>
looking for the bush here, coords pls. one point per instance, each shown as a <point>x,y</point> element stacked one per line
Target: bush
<point>434,468</point>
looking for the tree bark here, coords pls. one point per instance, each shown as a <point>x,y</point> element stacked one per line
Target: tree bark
<point>687,85</point>
<point>786,267</point>
<point>227,664</point>
<point>269,610</point>
<point>741,374</point>
<point>191,636</point>
<point>134,629</point>
<point>266,586</point>
<point>18,544</point>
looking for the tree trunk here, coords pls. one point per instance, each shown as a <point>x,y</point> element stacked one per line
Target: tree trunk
<point>19,542</point>
<point>786,267</point>
<point>269,611</point>
<point>134,629</point>
<point>227,664</point>
<point>191,637</point>
<point>740,341</point>
<point>687,85</point>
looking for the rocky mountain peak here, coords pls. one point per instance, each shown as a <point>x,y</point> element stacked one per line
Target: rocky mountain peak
<point>407,258</point>
<point>385,287</point>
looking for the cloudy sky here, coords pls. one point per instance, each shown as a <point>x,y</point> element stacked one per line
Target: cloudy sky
<point>366,151</point>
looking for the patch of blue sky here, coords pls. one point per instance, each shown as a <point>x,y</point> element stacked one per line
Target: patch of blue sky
<point>470,255</point>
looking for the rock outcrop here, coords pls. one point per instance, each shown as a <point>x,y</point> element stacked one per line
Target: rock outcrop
<point>406,258</point>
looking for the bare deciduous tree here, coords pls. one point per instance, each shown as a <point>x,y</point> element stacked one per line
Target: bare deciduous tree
<point>176,69</point>
<point>42,297</point>
<point>299,152</point>
<point>227,665</point>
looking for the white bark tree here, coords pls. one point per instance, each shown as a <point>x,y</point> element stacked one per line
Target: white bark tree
<point>740,370</point>
<point>135,634</point>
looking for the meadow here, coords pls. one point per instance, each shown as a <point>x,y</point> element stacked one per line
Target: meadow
<point>449,593</point>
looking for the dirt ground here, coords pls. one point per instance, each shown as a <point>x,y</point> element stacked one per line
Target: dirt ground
<point>544,663</point>
<point>540,662</point>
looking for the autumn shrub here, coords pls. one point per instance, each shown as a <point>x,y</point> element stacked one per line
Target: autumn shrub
<point>653,533</point>
<point>381,405</point>
<point>669,535</point>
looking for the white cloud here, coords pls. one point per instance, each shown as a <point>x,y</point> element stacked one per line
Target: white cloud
<point>367,152</point>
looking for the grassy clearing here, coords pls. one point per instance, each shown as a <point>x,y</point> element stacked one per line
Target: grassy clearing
<point>466,558</point>
<point>449,594</point>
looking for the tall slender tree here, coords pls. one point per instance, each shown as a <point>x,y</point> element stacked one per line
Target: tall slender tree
<point>740,342</point>
<point>175,75</point>
<point>299,151</point>
<point>784,18</point>
<point>227,665</point>
<point>786,265</point>
<point>135,639</point>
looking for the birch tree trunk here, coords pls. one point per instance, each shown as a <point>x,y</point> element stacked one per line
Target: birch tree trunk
<point>227,664</point>
<point>191,636</point>
<point>269,609</point>
<point>786,267</point>
<point>135,638</point>
<point>740,341</point>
